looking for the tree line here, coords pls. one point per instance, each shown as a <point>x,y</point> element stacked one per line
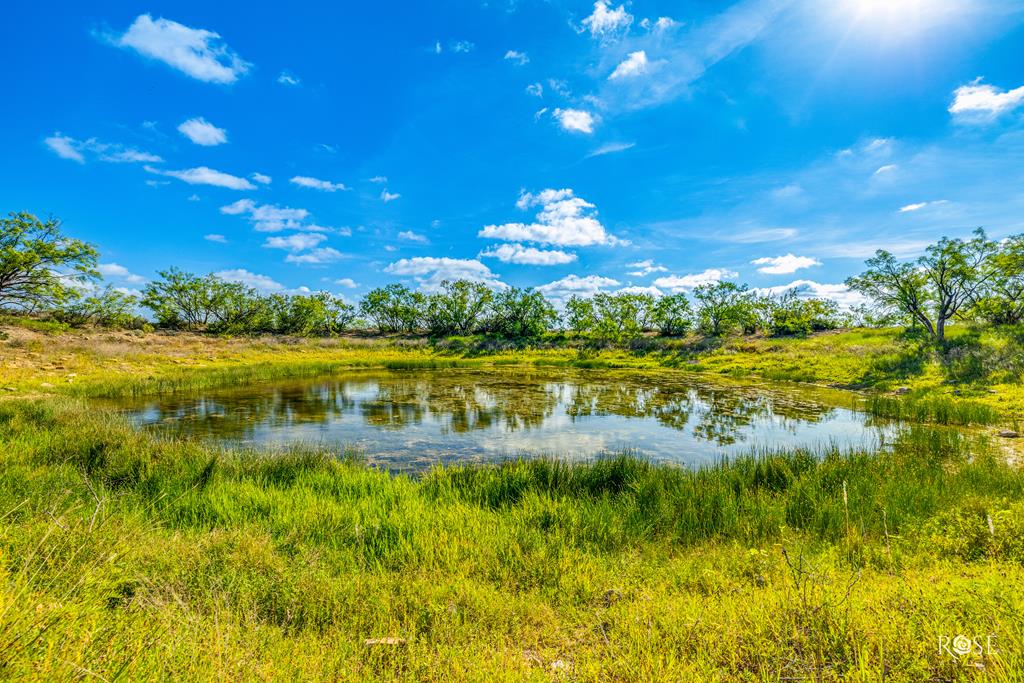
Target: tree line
<point>43,271</point>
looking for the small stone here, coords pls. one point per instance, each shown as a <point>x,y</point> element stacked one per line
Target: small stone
<point>1009,434</point>
<point>369,642</point>
<point>10,388</point>
<point>900,391</point>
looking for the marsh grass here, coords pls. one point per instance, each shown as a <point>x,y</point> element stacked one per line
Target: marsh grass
<point>933,409</point>
<point>126,554</point>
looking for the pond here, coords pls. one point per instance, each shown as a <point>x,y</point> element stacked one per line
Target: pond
<point>410,420</point>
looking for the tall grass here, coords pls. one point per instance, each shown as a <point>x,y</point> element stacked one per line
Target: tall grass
<point>126,554</point>
<point>932,409</point>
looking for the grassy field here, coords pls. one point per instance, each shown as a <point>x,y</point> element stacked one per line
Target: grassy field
<point>127,556</point>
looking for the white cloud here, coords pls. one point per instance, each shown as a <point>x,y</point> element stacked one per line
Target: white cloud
<point>299,241</point>
<point>605,21</point>
<point>157,183</point>
<point>216,237</point>
<point>430,271</point>
<point>757,236</point>
<point>839,293</point>
<point>462,46</point>
<point>267,217</point>
<point>386,196</point>
<point>535,89</point>
<point>316,256</point>
<point>634,65</point>
<point>575,120</point>
<point>288,79</point>
<point>612,148</point>
<point>979,102</point>
<point>118,271</point>
<point>645,267</point>
<point>574,285</point>
<point>202,175</point>
<point>519,58</point>
<point>64,147</point>
<point>563,220</point>
<point>67,147</point>
<point>347,282</point>
<point>202,132</point>
<point>411,236</point>
<point>783,265</point>
<point>193,198</point>
<point>260,178</point>
<point>317,184</point>
<point>378,179</point>
<point>660,24</point>
<point>196,52</point>
<point>679,283</point>
<point>263,283</point>
<point>921,205</point>
<point>518,253</point>
<point>652,291</point>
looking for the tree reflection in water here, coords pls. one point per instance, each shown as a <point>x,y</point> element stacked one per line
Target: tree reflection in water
<point>487,402</point>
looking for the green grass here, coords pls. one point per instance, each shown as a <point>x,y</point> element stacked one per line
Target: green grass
<point>126,555</point>
<point>932,409</point>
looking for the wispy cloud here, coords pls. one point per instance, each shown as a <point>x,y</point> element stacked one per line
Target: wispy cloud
<point>203,175</point>
<point>317,184</point>
<point>67,147</point>
<point>386,196</point>
<point>517,57</point>
<point>287,78</point>
<point>196,52</point>
<point>410,236</point>
<point>612,148</point>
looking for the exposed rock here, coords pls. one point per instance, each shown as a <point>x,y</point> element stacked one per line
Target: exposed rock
<point>1009,434</point>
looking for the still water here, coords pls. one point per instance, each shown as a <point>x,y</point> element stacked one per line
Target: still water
<point>409,420</point>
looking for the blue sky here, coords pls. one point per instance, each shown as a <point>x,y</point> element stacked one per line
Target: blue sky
<point>570,146</point>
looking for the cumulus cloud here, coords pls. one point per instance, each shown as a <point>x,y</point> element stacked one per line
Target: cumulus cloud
<point>680,283</point>
<point>299,241</point>
<point>980,102</point>
<point>839,293</point>
<point>783,265</point>
<point>267,217</point>
<point>316,256</point>
<point>651,291</point>
<point>67,147</point>
<point>430,271</point>
<point>410,236</point>
<point>633,65</point>
<point>644,268</point>
<point>347,282</point>
<point>519,58</point>
<point>196,52</point>
<point>604,21</point>
<point>116,270</point>
<point>203,175</point>
<point>215,237</point>
<point>202,132</point>
<point>575,120</point>
<point>317,184</point>
<point>263,283</point>
<point>523,255</point>
<point>563,220</point>
<point>574,285</point>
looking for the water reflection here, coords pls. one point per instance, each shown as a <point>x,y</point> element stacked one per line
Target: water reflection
<point>409,419</point>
